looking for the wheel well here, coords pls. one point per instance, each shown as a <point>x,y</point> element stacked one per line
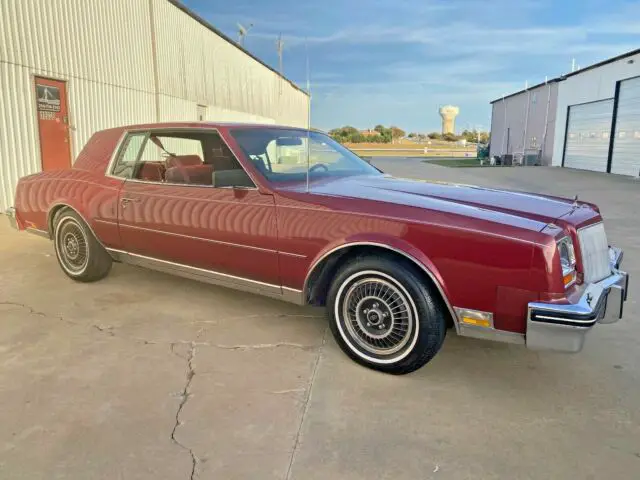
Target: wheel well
<point>320,279</point>
<point>52,214</point>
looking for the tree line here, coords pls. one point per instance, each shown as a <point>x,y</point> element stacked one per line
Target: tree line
<point>349,134</point>
<point>471,136</point>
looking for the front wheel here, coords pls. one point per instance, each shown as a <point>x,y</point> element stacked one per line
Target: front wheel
<point>385,316</point>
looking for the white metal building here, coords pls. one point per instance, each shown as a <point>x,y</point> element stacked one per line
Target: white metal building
<point>69,68</point>
<point>597,117</point>
<point>523,124</point>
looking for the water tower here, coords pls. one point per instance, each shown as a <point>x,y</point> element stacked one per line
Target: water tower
<point>449,114</point>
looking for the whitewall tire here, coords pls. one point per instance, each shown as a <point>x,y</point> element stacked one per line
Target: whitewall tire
<point>384,315</point>
<point>79,253</point>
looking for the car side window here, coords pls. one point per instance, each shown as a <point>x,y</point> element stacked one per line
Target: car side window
<point>126,161</point>
<point>190,158</point>
<point>227,171</point>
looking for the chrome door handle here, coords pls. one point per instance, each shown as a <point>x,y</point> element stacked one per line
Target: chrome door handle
<point>126,201</point>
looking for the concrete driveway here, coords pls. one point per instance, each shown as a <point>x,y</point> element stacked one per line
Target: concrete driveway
<point>147,376</point>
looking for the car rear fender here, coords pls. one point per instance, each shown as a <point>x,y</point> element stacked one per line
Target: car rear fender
<point>58,205</point>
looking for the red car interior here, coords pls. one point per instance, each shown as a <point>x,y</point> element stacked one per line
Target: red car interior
<point>183,161</point>
<point>197,174</point>
<point>152,172</point>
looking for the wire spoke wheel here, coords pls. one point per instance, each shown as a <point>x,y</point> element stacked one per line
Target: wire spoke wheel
<point>384,313</point>
<point>72,246</point>
<point>378,316</point>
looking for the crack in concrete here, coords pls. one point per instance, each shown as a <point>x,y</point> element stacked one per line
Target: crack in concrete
<point>108,330</point>
<point>257,315</point>
<point>33,311</point>
<point>263,346</point>
<point>305,409</point>
<point>290,390</point>
<point>185,395</point>
<point>624,450</point>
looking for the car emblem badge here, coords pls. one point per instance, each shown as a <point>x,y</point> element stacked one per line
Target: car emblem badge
<point>589,298</point>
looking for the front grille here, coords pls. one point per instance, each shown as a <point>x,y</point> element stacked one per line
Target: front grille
<point>594,248</point>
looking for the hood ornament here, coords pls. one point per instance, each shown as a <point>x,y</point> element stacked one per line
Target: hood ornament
<point>575,205</point>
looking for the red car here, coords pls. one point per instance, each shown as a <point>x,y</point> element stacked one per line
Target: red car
<point>291,214</point>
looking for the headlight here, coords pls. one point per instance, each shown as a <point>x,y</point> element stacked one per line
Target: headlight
<point>567,260</point>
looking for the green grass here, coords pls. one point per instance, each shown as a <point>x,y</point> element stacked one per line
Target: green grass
<point>409,153</point>
<point>455,162</point>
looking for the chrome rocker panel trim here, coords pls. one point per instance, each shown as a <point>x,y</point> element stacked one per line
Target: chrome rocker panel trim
<point>38,232</point>
<point>209,276</point>
<point>564,327</point>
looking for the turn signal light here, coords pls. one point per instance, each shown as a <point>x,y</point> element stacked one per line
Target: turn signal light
<point>474,318</point>
<point>569,278</point>
<point>476,321</point>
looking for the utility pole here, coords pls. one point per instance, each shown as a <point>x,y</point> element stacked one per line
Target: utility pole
<point>242,32</point>
<point>280,47</point>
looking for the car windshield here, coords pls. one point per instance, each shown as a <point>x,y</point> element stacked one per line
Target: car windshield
<point>281,154</point>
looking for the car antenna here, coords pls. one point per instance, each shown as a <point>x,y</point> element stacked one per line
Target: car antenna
<point>306,48</point>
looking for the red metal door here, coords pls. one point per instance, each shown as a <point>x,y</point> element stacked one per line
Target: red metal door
<point>53,123</point>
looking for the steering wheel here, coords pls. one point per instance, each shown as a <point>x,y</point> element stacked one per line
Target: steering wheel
<point>318,166</point>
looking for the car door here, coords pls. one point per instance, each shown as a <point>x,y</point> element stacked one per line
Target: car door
<point>173,214</point>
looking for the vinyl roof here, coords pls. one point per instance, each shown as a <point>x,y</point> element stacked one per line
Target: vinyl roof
<point>191,125</point>
<point>204,23</point>
<point>577,72</point>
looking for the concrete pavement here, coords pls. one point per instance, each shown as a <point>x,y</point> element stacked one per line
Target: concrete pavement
<point>147,376</point>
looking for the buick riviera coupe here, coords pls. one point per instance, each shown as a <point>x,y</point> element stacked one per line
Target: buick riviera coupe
<point>291,214</point>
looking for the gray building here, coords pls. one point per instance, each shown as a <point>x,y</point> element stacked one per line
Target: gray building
<point>592,123</point>
<point>523,123</point>
<point>69,68</point>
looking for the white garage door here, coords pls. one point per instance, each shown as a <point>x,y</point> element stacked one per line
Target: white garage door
<point>626,144</point>
<point>588,131</point>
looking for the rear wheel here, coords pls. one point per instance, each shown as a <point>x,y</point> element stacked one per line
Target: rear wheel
<point>384,316</point>
<point>79,254</point>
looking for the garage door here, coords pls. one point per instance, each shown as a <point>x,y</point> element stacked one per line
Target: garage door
<point>626,144</point>
<point>589,127</point>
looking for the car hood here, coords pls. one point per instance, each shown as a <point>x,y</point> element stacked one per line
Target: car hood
<point>457,198</point>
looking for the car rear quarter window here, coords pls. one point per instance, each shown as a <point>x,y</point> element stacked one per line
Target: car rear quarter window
<point>180,157</point>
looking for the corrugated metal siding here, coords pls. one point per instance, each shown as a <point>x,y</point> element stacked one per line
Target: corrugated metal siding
<point>201,67</point>
<point>103,50</point>
<point>94,106</point>
<point>179,110</point>
<point>107,42</point>
<point>626,144</point>
<point>173,109</point>
<point>525,111</point>
<point>596,84</point>
<point>588,136</point>
<point>19,147</point>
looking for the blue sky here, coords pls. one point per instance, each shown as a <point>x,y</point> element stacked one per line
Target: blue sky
<point>395,62</point>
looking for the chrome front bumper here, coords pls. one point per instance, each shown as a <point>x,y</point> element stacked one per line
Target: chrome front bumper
<point>11,215</point>
<point>563,327</point>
